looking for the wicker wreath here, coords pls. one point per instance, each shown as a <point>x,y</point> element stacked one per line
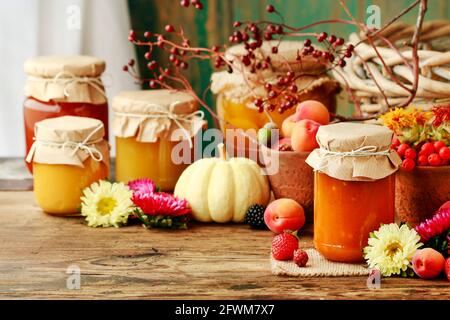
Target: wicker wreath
<point>365,67</point>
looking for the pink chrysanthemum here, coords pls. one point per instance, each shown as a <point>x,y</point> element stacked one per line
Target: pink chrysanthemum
<point>142,186</point>
<point>161,203</point>
<point>434,226</point>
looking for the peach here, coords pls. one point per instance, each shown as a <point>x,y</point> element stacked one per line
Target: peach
<point>428,263</point>
<point>284,214</point>
<point>312,110</point>
<point>304,135</point>
<point>287,126</point>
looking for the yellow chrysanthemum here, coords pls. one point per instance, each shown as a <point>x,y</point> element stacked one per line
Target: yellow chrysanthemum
<point>399,118</point>
<point>391,248</point>
<point>106,204</point>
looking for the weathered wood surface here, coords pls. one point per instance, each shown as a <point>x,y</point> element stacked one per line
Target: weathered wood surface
<point>206,262</point>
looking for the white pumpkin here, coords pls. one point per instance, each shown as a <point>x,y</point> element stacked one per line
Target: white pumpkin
<point>221,189</point>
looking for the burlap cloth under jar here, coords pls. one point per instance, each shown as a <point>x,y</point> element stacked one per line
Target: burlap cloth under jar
<point>149,115</point>
<point>65,79</point>
<point>354,152</point>
<point>69,140</point>
<point>241,85</point>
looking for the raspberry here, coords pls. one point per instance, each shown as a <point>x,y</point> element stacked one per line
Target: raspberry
<point>300,257</point>
<point>283,246</point>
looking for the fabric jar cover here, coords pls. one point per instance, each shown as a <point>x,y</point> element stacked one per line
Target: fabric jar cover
<point>65,79</point>
<point>354,152</point>
<point>69,140</point>
<point>149,115</point>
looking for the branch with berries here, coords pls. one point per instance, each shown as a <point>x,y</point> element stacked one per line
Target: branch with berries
<point>282,94</point>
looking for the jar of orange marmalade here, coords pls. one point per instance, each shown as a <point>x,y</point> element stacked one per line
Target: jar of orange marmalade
<point>68,155</point>
<point>154,132</point>
<point>59,86</point>
<point>353,187</point>
<point>236,90</point>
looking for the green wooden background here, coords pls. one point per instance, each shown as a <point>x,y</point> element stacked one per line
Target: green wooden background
<point>213,24</point>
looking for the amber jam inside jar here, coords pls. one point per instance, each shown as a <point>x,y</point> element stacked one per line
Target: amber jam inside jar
<point>35,111</point>
<point>345,212</point>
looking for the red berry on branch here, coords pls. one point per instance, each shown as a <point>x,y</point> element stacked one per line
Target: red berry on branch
<point>307,43</point>
<point>125,68</point>
<point>147,34</point>
<point>268,86</point>
<point>339,41</point>
<point>131,62</point>
<point>270,8</point>
<point>237,24</point>
<point>434,160</point>
<point>350,48</point>
<point>332,39</point>
<point>246,60</point>
<point>169,28</point>
<point>279,29</point>
<point>184,65</point>
<point>347,54</point>
<point>161,78</point>
<point>199,6</point>
<point>342,63</point>
<point>274,50</point>
<point>147,55</point>
<point>322,36</point>
<point>184,3</point>
<point>267,36</point>
<point>152,65</point>
<point>293,88</point>
<point>408,164</point>
<point>152,84</point>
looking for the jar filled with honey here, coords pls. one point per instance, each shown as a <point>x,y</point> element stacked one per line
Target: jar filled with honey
<point>68,155</point>
<point>63,85</point>
<point>353,187</point>
<point>237,88</point>
<point>154,130</point>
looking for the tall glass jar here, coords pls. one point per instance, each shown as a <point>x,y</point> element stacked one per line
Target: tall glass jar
<point>154,132</point>
<point>68,155</point>
<point>60,86</point>
<point>353,187</point>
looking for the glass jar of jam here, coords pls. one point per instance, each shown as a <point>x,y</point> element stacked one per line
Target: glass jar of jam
<point>237,90</point>
<point>353,187</point>
<point>60,86</point>
<point>154,130</point>
<point>68,155</point>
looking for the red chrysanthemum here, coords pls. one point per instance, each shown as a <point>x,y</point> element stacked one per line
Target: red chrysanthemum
<point>143,186</point>
<point>434,226</point>
<point>441,115</point>
<point>161,203</point>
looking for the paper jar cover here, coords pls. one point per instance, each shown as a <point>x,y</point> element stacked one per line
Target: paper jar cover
<point>148,115</point>
<point>65,79</point>
<point>69,140</point>
<point>354,152</point>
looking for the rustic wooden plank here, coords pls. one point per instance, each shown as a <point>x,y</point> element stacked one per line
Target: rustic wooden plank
<point>209,261</point>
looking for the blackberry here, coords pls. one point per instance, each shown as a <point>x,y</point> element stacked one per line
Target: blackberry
<point>254,217</point>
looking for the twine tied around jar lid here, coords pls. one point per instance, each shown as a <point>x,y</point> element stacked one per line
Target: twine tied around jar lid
<point>148,115</point>
<point>54,145</point>
<point>354,152</point>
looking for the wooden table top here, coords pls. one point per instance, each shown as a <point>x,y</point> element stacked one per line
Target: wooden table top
<point>208,261</point>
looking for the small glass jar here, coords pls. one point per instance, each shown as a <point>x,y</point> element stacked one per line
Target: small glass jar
<point>150,126</point>
<point>60,86</point>
<point>236,91</point>
<point>354,189</point>
<point>68,155</point>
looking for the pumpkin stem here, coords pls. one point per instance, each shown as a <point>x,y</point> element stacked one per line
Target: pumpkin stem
<point>222,151</point>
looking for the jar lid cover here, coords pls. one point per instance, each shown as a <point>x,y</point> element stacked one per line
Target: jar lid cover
<point>69,140</point>
<point>51,66</point>
<point>354,152</point>
<point>148,115</point>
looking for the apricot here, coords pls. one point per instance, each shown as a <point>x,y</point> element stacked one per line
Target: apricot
<point>312,110</point>
<point>284,215</point>
<point>303,138</point>
<point>287,126</point>
<point>428,263</point>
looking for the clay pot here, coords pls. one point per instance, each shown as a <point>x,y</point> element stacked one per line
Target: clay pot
<point>294,179</point>
<point>419,193</point>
